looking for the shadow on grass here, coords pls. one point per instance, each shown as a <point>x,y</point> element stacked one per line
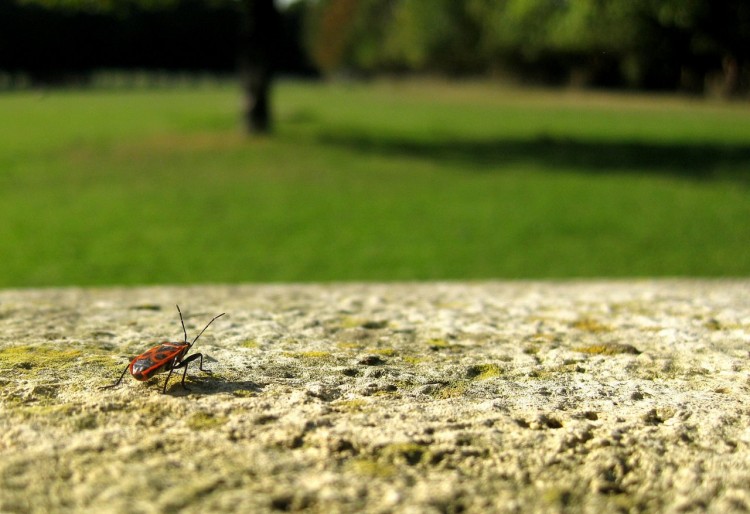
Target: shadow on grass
<point>703,161</point>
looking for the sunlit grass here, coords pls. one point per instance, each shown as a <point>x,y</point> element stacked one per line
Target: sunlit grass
<point>369,182</point>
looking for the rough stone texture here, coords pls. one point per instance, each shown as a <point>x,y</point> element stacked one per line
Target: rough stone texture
<point>506,397</point>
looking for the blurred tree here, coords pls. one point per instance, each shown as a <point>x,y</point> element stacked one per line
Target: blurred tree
<point>436,36</point>
<point>704,44</point>
<point>688,44</point>
<point>579,42</point>
<point>392,35</point>
<point>259,43</point>
<point>694,45</point>
<point>259,39</point>
<point>331,32</point>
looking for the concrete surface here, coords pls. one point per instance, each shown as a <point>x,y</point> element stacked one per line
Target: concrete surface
<point>625,396</point>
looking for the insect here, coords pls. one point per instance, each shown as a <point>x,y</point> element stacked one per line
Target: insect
<point>166,356</point>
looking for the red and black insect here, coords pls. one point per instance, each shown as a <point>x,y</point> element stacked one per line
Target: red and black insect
<point>166,356</point>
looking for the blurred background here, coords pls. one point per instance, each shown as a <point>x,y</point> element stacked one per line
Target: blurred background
<point>195,141</point>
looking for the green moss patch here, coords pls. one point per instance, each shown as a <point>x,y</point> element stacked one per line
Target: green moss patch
<point>388,352</point>
<point>404,453</point>
<point>30,359</point>
<point>608,349</point>
<point>484,371</point>
<point>312,355</point>
<point>439,344</point>
<point>205,421</point>
<point>452,390</point>
<point>354,405</point>
<point>590,325</point>
<point>372,468</point>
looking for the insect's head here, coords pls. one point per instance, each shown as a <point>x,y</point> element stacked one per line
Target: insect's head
<point>204,329</point>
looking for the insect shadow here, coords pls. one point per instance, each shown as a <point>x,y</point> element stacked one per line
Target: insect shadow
<point>217,385</point>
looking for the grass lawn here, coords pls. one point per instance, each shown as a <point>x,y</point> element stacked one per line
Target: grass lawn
<point>370,182</point>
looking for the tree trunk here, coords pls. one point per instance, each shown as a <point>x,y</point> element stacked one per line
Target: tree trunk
<point>258,47</point>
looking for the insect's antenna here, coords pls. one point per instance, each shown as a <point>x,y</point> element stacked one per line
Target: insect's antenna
<point>183,324</point>
<point>209,323</point>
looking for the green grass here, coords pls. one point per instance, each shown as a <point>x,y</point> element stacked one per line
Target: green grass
<point>369,182</point>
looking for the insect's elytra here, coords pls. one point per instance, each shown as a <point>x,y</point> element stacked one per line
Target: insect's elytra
<point>166,356</point>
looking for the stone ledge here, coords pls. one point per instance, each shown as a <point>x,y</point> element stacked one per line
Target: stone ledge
<point>479,397</point>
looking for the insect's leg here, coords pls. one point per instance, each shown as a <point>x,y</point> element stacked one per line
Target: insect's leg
<point>118,380</point>
<point>163,391</point>
<point>184,364</point>
<point>184,374</point>
<point>200,366</point>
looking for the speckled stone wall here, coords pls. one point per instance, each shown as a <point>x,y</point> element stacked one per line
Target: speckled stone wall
<point>478,397</point>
